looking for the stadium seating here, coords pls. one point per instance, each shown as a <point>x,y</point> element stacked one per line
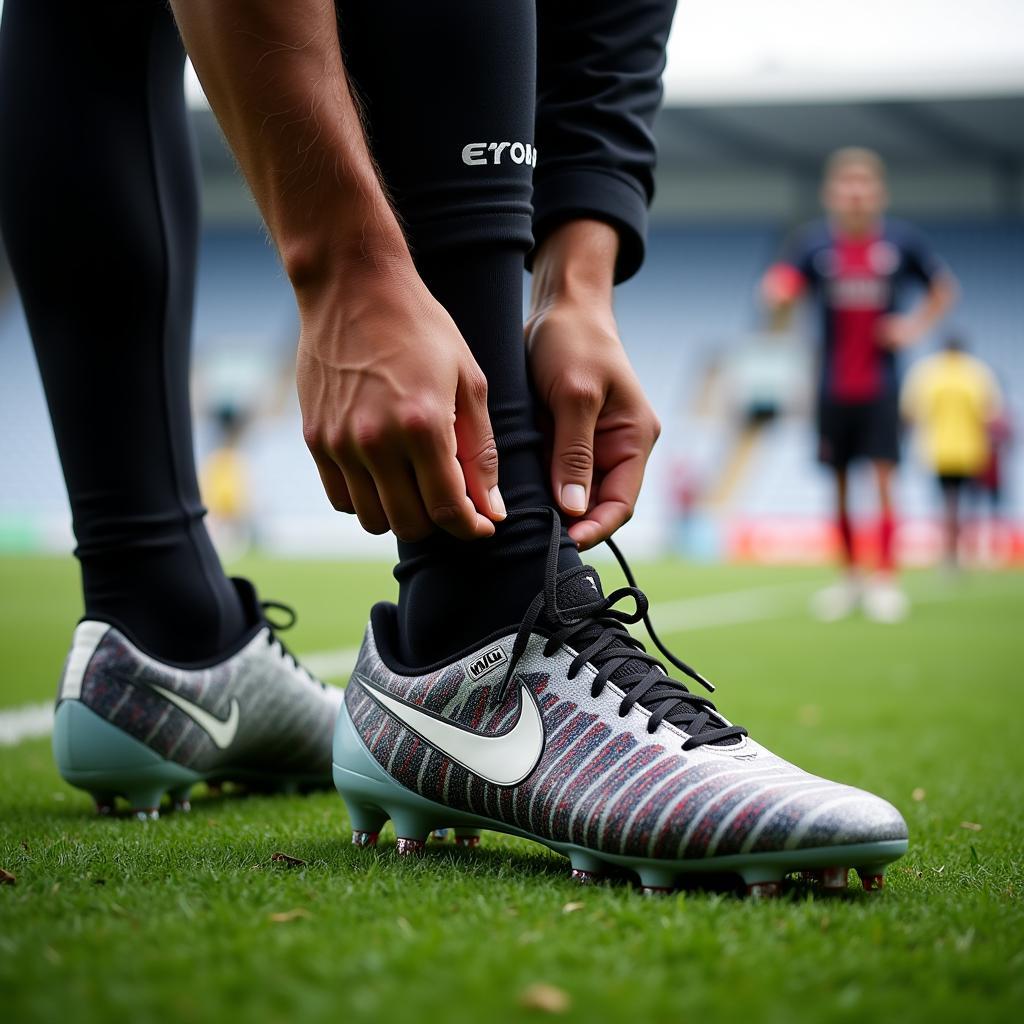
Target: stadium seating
<point>693,303</point>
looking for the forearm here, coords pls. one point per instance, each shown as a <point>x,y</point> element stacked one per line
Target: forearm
<point>274,76</point>
<point>938,301</point>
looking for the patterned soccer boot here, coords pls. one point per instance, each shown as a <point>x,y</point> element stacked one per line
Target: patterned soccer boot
<point>568,733</point>
<point>129,725</point>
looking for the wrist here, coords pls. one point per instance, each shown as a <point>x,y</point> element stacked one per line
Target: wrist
<point>576,263</point>
<point>336,254</point>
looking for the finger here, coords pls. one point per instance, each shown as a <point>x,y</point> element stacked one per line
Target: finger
<point>442,487</point>
<point>365,499</point>
<point>613,504</point>
<point>399,496</point>
<point>575,411</point>
<point>333,481</point>
<point>475,448</point>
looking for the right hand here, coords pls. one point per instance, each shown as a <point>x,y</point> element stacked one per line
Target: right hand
<point>394,407</point>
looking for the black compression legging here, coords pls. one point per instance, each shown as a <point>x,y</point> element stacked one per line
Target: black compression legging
<point>98,206</point>
<point>100,215</point>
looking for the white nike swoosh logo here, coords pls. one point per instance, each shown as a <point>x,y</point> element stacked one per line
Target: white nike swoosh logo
<point>221,731</point>
<point>504,760</point>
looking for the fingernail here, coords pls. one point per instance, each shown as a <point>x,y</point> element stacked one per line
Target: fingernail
<point>497,504</point>
<point>574,497</point>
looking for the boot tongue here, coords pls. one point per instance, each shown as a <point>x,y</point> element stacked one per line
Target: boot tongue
<point>579,589</point>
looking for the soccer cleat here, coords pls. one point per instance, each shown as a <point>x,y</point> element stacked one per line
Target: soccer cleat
<point>884,601</point>
<point>129,725</point>
<point>838,600</point>
<point>568,733</point>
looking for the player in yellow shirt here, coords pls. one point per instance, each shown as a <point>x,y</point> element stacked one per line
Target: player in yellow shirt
<point>952,397</point>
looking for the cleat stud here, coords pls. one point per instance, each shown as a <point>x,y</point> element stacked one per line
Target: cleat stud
<point>654,878</point>
<point>834,879</point>
<point>180,801</point>
<point>764,890</point>
<point>872,877</point>
<point>655,890</point>
<point>364,839</point>
<point>105,804</point>
<point>439,834</point>
<point>145,803</point>
<point>365,819</point>
<point>469,838</point>
<point>811,877</point>
<point>410,847</point>
<point>586,868</point>
<point>411,824</point>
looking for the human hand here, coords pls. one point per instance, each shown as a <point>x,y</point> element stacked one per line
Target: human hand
<point>394,407</point>
<point>602,426</point>
<point>898,331</point>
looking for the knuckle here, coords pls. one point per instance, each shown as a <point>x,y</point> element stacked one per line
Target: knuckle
<point>373,524</point>
<point>486,456</point>
<point>369,435</point>
<point>446,514</point>
<point>334,441</point>
<point>341,504</point>
<point>580,393</point>
<point>411,532</point>
<point>577,456</point>
<point>313,435</point>
<point>417,421</point>
<point>476,385</point>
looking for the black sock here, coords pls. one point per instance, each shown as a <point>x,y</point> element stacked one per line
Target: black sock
<point>451,592</point>
<point>449,95</point>
<point>100,218</point>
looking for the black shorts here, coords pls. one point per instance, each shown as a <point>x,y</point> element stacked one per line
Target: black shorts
<point>859,430</point>
<point>954,482</point>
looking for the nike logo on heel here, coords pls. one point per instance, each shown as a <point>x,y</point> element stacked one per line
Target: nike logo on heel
<point>221,731</point>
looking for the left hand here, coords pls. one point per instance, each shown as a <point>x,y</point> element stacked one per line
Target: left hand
<point>602,426</point>
<point>899,331</point>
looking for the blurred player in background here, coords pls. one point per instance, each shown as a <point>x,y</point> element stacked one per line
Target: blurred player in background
<point>953,399</point>
<point>224,485</point>
<point>856,265</point>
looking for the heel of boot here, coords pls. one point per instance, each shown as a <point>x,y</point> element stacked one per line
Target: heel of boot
<point>94,755</point>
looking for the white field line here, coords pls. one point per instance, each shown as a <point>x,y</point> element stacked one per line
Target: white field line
<point>754,604</point>
<point>25,723</point>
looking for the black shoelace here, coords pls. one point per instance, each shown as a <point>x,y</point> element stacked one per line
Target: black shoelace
<point>597,630</point>
<point>280,627</point>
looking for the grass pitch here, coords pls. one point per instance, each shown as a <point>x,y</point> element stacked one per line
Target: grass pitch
<point>190,918</point>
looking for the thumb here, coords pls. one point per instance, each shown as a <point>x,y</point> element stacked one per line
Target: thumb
<point>572,465</point>
<point>475,447</point>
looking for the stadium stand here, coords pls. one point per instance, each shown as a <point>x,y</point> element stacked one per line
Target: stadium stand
<point>733,179</point>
